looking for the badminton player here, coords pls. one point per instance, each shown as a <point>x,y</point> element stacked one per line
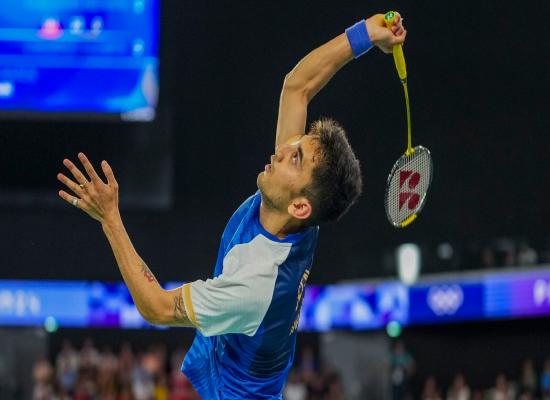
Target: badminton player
<point>246,317</point>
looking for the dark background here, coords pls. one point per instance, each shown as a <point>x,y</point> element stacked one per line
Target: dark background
<point>478,80</point>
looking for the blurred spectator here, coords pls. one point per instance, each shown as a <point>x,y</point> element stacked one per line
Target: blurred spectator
<point>125,393</point>
<point>153,362</point>
<point>459,390</point>
<point>310,380</point>
<point>86,387</point>
<point>308,366</point>
<point>180,387</point>
<point>43,380</point>
<point>545,380</point>
<point>527,255</point>
<point>295,387</point>
<point>67,364</point>
<point>94,375</point>
<point>502,389</point>
<point>142,380</point>
<point>401,370</point>
<point>106,378</point>
<point>430,391</point>
<point>152,375</point>
<point>335,390</point>
<point>89,356</point>
<point>528,381</point>
<point>477,395</point>
<point>126,364</point>
<point>161,388</point>
<point>315,387</point>
<point>526,396</point>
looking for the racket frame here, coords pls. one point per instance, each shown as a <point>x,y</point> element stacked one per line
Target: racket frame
<point>396,166</point>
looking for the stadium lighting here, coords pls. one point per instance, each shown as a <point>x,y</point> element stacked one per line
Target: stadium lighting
<point>50,324</point>
<point>408,263</point>
<point>393,329</point>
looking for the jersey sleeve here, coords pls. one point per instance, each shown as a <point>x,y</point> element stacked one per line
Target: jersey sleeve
<point>237,300</point>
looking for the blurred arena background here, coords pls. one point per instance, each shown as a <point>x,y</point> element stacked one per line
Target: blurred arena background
<point>472,325</point>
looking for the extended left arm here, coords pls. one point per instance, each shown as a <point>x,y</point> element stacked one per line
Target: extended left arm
<point>100,201</point>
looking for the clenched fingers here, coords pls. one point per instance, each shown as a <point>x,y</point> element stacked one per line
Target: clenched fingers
<point>401,38</point>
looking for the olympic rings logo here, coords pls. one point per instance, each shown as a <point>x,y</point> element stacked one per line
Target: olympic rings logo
<point>445,299</point>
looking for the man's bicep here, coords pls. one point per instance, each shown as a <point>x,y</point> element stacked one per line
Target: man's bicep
<point>292,114</point>
<point>175,313</point>
<point>168,308</point>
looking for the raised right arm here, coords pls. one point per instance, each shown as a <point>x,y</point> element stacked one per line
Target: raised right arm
<point>316,69</point>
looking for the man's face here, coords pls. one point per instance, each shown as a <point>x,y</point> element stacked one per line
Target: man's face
<point>289,171</point>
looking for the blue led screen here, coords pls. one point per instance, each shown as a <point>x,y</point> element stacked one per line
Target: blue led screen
<point>80,56</point>
<point>356,306</point>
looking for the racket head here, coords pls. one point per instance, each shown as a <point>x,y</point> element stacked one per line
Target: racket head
<point>407,186</point>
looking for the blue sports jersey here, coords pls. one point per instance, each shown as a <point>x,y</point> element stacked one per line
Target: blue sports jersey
<point>247,316</point>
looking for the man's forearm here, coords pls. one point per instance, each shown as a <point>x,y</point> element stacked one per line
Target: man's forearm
<point>141,282</point>
<point>314,71</point>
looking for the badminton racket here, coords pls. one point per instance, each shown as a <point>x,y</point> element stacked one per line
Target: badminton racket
<point>410,178</point>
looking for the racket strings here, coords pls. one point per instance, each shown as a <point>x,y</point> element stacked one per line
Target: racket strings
<point>407,186</point>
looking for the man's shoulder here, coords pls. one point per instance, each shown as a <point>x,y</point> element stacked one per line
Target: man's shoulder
<point>260,251</point>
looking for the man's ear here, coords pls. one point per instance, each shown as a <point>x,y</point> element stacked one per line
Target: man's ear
<point>300,208</point>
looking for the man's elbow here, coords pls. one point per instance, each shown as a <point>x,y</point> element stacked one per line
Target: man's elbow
<point>151,317</point>
<point>165,317</point>
<point>296,85</point>
<point>154,315</point>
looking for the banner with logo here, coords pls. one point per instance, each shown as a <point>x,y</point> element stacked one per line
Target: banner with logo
<point>354,306</point>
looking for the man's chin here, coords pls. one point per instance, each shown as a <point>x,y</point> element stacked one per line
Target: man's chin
<point>260,180</point>
<point>262,188</point>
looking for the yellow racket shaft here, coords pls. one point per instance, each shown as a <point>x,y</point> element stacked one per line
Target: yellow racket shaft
<point>399,59</point>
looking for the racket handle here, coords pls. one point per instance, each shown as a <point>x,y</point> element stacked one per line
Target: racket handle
<point>398,56</point>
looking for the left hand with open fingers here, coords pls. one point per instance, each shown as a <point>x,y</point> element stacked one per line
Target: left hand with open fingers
<point>92,195</point>
<point>383,37</point>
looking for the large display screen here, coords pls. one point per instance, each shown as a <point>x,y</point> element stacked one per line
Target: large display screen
<point>344,306</point>
<point>473,297</point>
<point>75,304</point>
<point>79,57</point>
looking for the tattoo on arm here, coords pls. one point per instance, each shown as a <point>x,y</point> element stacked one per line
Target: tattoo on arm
<point>147,272</point>
<point>179,309</point>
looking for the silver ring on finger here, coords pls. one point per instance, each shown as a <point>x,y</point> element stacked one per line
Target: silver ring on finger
<point>74,202</point>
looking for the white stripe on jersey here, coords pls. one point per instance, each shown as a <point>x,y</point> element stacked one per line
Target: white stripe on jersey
<point>237,300</point>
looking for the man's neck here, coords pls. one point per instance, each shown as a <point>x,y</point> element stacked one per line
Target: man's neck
<point>277,223</point>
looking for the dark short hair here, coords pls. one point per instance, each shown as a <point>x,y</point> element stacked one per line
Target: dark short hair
<point>336,181</point>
